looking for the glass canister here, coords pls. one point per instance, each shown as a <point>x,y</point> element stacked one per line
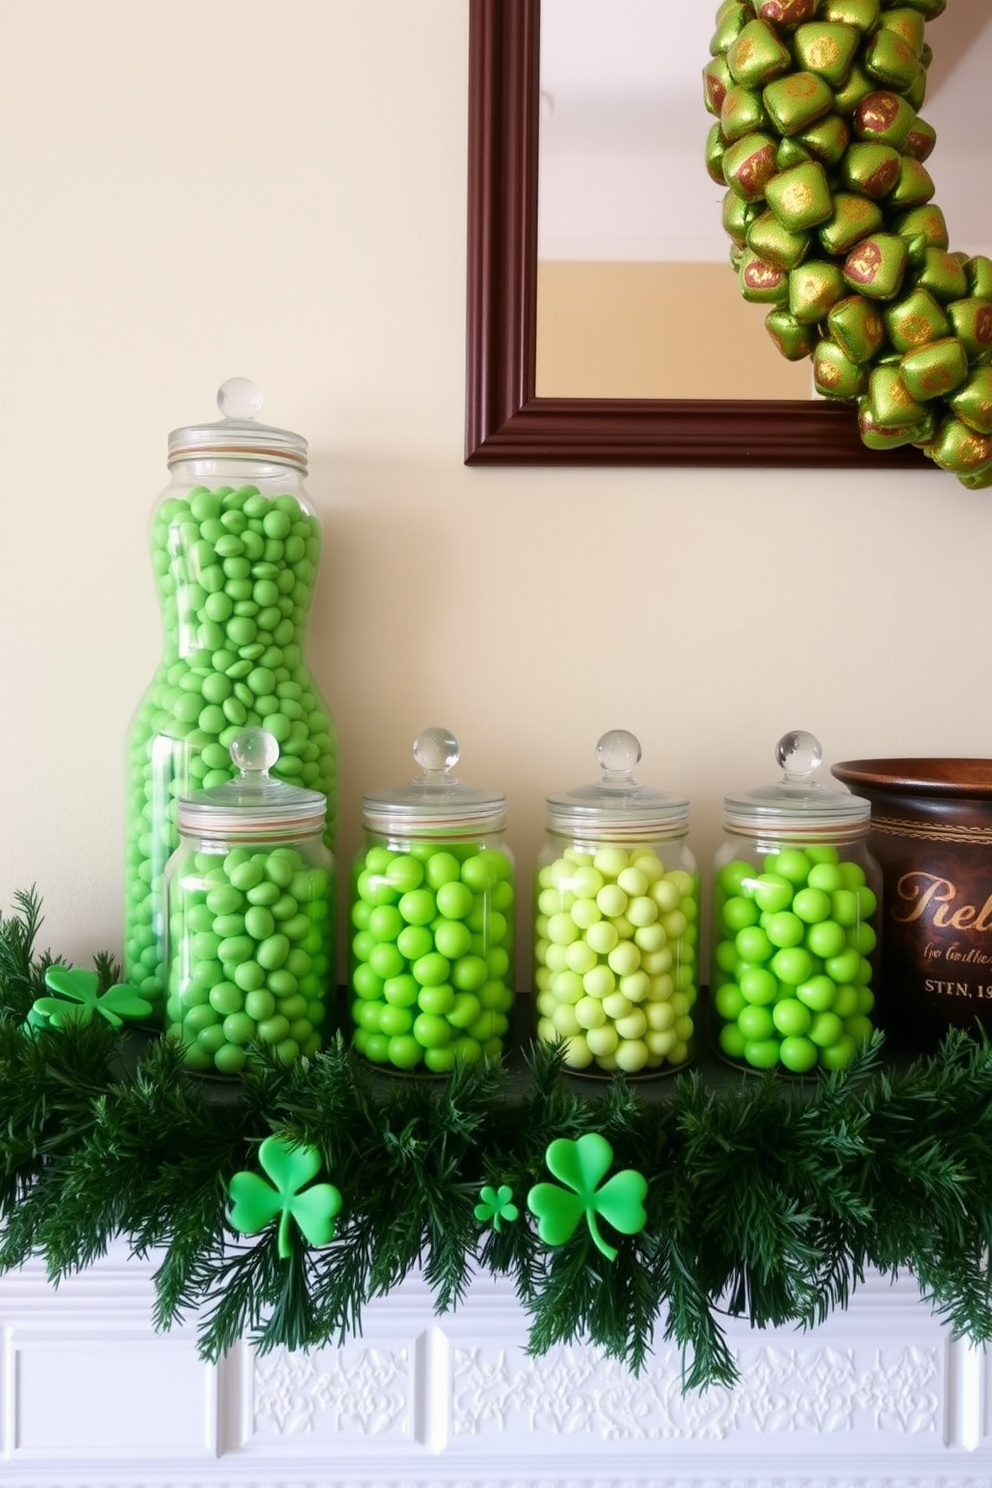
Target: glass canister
<point>432,898</point>
<point>617,922</point>
<point>250,915</point>
<point>235,545</point>
<point>795,916</point>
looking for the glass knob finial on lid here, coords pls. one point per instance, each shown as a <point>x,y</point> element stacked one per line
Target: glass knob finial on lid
<point>240,398</point>
<point>436,751</point>
<point>254,751</point>
<point>799,753</point>
<point>617,753</point>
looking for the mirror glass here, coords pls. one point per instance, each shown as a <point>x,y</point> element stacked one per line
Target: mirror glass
<point>635,295</point>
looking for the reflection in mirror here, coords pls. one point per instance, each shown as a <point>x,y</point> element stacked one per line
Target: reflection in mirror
<point>635,297</point>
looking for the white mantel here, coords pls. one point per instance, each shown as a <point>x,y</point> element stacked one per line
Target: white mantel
<point>878,1397</point>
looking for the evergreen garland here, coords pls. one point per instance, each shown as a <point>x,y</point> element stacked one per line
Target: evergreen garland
<point>766,1200</point>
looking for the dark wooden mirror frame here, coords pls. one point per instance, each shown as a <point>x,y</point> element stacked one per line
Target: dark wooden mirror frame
<point>506,423</point>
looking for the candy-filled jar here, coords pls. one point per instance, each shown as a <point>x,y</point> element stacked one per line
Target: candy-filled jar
<point>617,923</point>
<point>432,899</point>
<point>795,917</point>
<point>235,545</point>
<point>250,916</point>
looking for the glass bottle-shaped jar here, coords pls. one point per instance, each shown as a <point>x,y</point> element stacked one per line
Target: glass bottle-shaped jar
<point>795,905</point>
<point>250,915</point>
<point>235,545</point>
<point>432,896</point>
<point>617,922</point>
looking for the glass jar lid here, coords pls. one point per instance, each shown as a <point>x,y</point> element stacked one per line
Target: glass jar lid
<point>253,803</point>
<point>797,803</point>
<point>617,802</point>
<point>238,433</point>
<point>435,801</point>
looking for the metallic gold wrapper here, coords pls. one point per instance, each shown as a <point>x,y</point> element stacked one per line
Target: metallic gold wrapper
<point>762,283</point>
<point>786,15</point>
<point>972,322</point>
<point>882,437</point>
<point>915,320</point>
<point>927,221</point>
<point>875,267</point>
<point>943,274</point>
<point>814,288</point>
<point>934,370</point>
<point>853,219</point>
<point>715,151</point>
<point>914,186</point>
<point>749,165</point>
<point>884,118</point>
<point>775,244</point>
<point>827,139</point>
<point>920,140</point>
<point>757,55</point>
<point>794,340</point>
<point>871,169</point>
<point>978,272</point>
<point>828,49</point>
<point>834,374</point>
<point>797,101</point>
<point>731,18</point>
<point>716,81</point>
<point>857,326</point>
<point>972,402</point>
<point>861,14</point>
<point>957,448</point>
<point>891,60</point>
<point>800,197</point>
<point>891,403</point>
<point>743,112</point>
<point>737,216</point>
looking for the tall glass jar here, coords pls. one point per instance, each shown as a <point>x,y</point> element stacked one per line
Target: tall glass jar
<point>617,923</point>
<point>795,917</point>
<point>250,915</point>
<point>235,545</point>
<point>432,899</point>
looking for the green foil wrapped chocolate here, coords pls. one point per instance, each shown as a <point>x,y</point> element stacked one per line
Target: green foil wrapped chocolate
<point>757,55</point>
<point>775,244</point>
<point>884,118</point>
<point>892,404</point>
<point>857,326</point>
<point>826,140</point>
<point>972,401</point>
<point>814,288</point>
<point>875,267</point>
<point>979,480</point>
<point>834,374</point>
<point>890,436</point>
<point>828,49</point>
<point>958,448</point>
<point>908,23</point>
<point>789,153</point>
<point>800,197</point>
<point>927,8</point>
<point>737,216</point>
<point>716,81</point>
<point>934,370</point>
<point>920,140</point>
<point>915,320</point>
<point>715,150</point>
<point>914,186</point>
<point>943,274</point>
<point>861,14</point>
<point>871,169</point>
<point>854,217</point>
<point>794,340</point>
<point>795,102</point>
<point>762,283</point>
<point>927,222</point>
<point>971,320</point>
<point>786,15</point>
<point>978,274</point>
<point>743,112</point>
<point>857,88</point>
<point>892,61</point>
<point>731,18</point>
<point>749,164</point>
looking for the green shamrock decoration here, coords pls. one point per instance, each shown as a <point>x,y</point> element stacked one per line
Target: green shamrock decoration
<point>496,1205</point>
<point>256,1203</point>
<point>79,1000</point>
<point>581,1165</point>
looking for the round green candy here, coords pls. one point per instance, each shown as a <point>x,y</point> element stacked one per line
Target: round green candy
<point>431,970</point>
<point>393,1019</point>
<point>825,1029</point>
<point>790,863</point>
<point>791,1017</point>
<point>239,1028</point>
<point>405,872</point>
<point>756,1023</point>
<point>386,960</point>
<point>386,922</point>
<point>839,1055</point>
<point>404,1051</point>
<point>798,1054</point>
<point>452,938</point>
<point>439,1000</point>
<point>732,1041</point>
<point>733,876</point>
<point>826,939</point>
<point>729,1001</point>
<point>455,901</point>
<point>811,905</point>
<point>248,975</point>
<point>818,993</point>
<point>259,1004</point>
<point>761,1053</point>
<point>738,914</point>
<point>758,985</point>
<point>226,997</point>
<point>753,944</point>
<point>783,929</point>
<point>431,1030</point>
<point>418,906</point>
<point>792,965</point>
<point>442,868</point>
<point>415,941</point>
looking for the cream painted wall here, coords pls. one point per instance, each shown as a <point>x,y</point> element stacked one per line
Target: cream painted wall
<point>199,188</point>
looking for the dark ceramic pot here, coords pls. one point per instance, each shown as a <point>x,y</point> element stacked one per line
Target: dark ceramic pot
<point>931,833</point>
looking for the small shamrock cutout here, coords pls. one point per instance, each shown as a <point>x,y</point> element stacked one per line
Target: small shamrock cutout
<point>496,1205</point>
<point>256,1203</point>
<point>79,1000</point>
<point>581,1165</point>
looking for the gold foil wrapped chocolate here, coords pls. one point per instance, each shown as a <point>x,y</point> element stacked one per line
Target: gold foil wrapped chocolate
<point>936,369</point>
<point>800,197</point>
<point>884,118</point>
<point>795,102</point>
<point>876,266</point>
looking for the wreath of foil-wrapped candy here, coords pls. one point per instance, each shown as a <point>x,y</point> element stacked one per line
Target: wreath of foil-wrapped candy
<point>832,221</point>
